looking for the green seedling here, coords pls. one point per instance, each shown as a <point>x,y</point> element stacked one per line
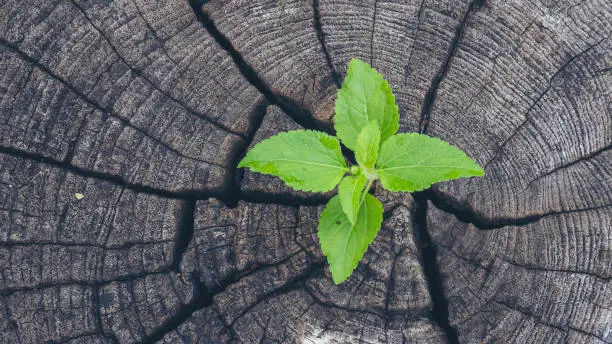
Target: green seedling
<point>366,121</point>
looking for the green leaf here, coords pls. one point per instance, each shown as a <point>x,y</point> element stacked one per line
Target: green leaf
<point>349,190</point>
<point>412,162</point>
<point>365,96</point>
<point>366,151</point>
<point>304,159</point>
<point>344,243</point>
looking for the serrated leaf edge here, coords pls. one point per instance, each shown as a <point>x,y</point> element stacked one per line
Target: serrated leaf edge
<point>241,164</point>
<point>439,181</point>
<point>378,226</point>
<point>383,86</point>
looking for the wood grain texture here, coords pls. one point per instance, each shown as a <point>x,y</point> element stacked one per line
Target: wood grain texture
<point>534,133</point>
<point>267,266</point>
<point>98,101</point>
<point>60,255</point>
<point>277,38</point>
<point>546,282</point>
<point>407,41</point>
<point>146,107</point>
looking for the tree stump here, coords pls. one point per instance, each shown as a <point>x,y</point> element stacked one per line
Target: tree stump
<point>123,218</point>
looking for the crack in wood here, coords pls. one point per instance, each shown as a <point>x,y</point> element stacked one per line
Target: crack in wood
<point>141,74</point>
<point>294,283</point>
<point>372,33</point>
<point>549,86</point>
<point>95,294</point>
<point>414,39</point>
<point>298,113</point>
<point>232,188</point>
<point>570,164</point>
<point>184,234</point>
<point>123,120</point>
<point>94,284</point>
<point>204,296</point>
<point>391,282</point>
<point>432,92</point>
<point>429,263</point>
<point>230,198</point>
<point>112,178</point>
<point>464,212</point>
<point>386,315</point>
<point>318,26</point>
<point>48,243</point>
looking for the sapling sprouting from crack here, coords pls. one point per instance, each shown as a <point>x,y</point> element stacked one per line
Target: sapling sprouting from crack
<point>366,121</point>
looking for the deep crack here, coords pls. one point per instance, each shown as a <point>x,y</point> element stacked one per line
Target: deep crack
<point>432,92</point>
<point>232,188</point>
<point>184,233</point>
<point>112,178</point>
<point>298,113</point>
<point>230,196</point>
<point>321,37</point>
<point>464,212</point>
<point>203,296</point>
<point>431,269</point>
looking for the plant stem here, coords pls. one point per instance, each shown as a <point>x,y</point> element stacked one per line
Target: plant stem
<point>366,190</point>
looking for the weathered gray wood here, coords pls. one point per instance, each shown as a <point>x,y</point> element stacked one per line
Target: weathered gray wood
<point>63,259</point>
<point>276,286</point>
<point>145,107</point>
<point>407,41</point>
<point>531,102</point>
<point>546,282</point>
<point>140,108</point>
<point>278,39</point>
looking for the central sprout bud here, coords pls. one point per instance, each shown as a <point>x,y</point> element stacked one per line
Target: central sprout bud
<point>371,174</point>
<point>355,170</point>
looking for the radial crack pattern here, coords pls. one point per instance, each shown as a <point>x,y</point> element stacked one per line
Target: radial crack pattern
<point>238,260</point>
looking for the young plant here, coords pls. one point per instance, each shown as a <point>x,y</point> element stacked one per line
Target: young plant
<point>366,121</point>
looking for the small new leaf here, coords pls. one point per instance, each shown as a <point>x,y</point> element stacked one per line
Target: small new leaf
<point>304,159</point>
<point>349,191</point>
<point>366,120</point>
<point>366,151</point>
<point>412,162</point>
<point>344,243</point>
<point>365,96</point>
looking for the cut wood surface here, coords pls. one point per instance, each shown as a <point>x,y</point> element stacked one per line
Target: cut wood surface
<point>146,107</point>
